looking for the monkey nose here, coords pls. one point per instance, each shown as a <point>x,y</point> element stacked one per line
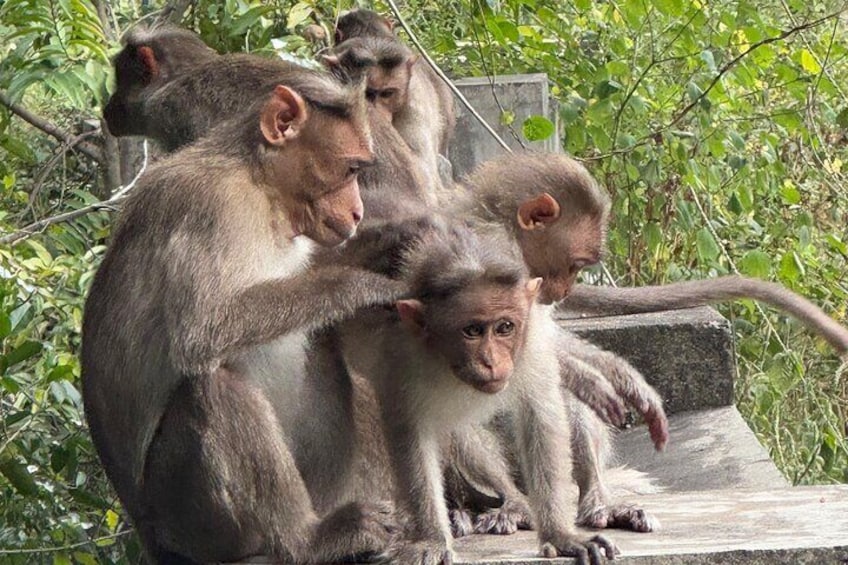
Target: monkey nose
<point>357,216</point>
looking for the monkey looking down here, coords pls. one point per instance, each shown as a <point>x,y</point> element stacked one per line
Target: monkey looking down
<point>195,331</point>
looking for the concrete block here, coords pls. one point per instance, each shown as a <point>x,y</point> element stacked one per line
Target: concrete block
<point>687,355</point>
<point>793,525</point>
<point>523,95</point>
<point>707,450</point>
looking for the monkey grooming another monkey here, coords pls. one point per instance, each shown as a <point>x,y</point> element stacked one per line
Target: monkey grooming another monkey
<point>194,331</point>
<point>390,192</point>
<point>472,344</point>
<point>401,84</point>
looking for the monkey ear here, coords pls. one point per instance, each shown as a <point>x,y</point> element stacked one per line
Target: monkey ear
<point>411,314</point>
<point>332,62</point>
<point>282,116</point>
<point>390,23</point>
<point>147,58</point>
<point>538,211</point>
<point>533,286</point>
<point>411,61</point>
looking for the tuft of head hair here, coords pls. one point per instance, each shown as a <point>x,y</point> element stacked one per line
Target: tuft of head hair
<point>355,56</point>
<point>358,23</point>
<point>453,257</point>
<point>499,186</point>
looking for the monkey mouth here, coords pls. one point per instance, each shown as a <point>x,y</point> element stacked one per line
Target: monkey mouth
<point>490,386</point>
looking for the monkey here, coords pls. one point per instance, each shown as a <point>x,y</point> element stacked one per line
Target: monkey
<point>176,128</point>
<point>471,343</point>
<point>400,84</point>
<point>195,328</point>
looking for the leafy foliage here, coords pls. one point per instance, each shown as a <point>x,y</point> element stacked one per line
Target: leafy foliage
<point>719,128</point>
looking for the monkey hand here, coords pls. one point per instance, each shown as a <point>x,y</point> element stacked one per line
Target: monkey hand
<point>428,552</point>
<point>365,530</point>
<point>461,523</point>
<point>585,551</point>
<point>513,515</point>
<point>651,410</point>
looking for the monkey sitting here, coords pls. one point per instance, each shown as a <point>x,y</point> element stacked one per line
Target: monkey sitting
<point>473,343</point>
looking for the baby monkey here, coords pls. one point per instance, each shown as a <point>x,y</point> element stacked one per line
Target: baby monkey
<point>472,344</point>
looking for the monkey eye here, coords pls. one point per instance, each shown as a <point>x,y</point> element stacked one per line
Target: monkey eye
<point>472,331</point>
<point>371,94</point>
<point>505,328</point>
<point>388,93</point>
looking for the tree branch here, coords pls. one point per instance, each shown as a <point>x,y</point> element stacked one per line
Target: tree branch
<point>732,63</point>
<point>41,225</point>
<point>88,149</point>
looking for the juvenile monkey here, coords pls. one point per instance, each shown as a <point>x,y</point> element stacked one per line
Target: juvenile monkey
<point>472,344</point>
<point>195,328</point>
<point>400,84</point>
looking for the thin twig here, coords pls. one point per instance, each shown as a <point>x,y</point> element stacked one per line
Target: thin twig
<point>110,204</point>
<point>56,549</point>
<point>444,77</point>
<point>88,149</point>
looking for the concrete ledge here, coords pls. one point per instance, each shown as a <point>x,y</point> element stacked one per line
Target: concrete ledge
<point>687,355</point>
<point>782,525</point>
<point>708,449</point>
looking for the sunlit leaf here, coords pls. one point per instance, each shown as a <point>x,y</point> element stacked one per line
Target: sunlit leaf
<point>537,128</point>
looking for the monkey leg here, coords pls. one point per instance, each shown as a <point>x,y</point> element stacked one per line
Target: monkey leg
<point>221,484</point>
<point>476,460</point>
<point>590,449</point>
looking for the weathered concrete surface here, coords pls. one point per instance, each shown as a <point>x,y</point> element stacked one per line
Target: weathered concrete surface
<point>523,95</point>
<point>687,355</point>
<point>783,525</point>
<point>708,449</point>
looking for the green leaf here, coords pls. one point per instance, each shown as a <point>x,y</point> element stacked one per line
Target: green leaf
<point>298,14</point>
<point>17,475</point>
<point>842,118</point>
<point>809,63</point>
<point>789,193</point>
<point>5,325</point>
<point>756,263</point>
<point>537,128</point>
<point>791,268</point>
<point>708,249</point>
<point>23,352</point>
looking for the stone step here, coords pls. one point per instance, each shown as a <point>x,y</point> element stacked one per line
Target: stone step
<point>788,525</point>
<point>708,449</point>
<point>687,355</point>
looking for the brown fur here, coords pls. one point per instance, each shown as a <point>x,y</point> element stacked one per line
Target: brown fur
<point>205,281</point>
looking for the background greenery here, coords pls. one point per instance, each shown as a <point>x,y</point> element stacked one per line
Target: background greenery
<point>718,126</point>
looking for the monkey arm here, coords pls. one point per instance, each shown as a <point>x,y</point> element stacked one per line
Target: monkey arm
<point>611,300</point>
<point>586,382</point>
<point>627,382</point>
<point>267,310</point>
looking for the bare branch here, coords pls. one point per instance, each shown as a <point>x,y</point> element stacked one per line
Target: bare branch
<point>41,225</point>
<point>88,149</point>
<point>732,63</point>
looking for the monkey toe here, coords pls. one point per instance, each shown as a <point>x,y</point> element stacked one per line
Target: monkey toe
<point>629,517</point>
<point>501,521</point>
<point>461,524</point>
<point>593,551</point>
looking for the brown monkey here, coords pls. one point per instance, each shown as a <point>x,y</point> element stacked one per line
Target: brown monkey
<point>473,343</point>
<point>391,190</point>
<point>195,327</point>
<point>399,83</point>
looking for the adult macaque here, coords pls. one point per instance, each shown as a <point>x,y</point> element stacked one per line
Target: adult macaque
<point>195,327</point>
<point>400,84</point>
<point>472,344</point>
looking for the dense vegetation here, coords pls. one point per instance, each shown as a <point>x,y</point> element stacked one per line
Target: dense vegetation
<point>718,127</point>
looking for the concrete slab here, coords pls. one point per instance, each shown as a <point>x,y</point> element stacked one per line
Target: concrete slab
<point>687,355</point>
<point>708,449</point>
<point>784,525</point>
<point>522,95</point>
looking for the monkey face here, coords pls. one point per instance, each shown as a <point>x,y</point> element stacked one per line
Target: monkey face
<point>320,161</point>
<point>557,252</point>
<point>388,89</point>
<point>480,331</point>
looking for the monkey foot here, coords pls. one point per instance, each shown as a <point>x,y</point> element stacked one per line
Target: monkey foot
<point>420,553</point>
<point>356,531</point>
<point>461,523</point>
<point>619,516</point>
<point>593,551</point>
<point>505,520</point>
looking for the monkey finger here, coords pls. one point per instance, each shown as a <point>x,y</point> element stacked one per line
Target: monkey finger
<point>610,549</point>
